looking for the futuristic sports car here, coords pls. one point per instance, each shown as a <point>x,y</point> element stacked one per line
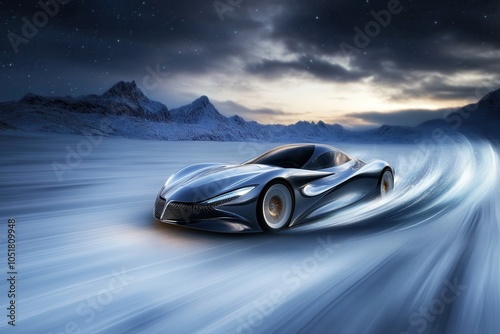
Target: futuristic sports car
<point>286,186</point>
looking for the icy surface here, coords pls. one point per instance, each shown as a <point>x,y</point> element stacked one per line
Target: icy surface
<point>91,258</point>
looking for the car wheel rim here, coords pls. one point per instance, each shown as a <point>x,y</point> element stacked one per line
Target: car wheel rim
<point>387,183</point>
<point>277,206</point>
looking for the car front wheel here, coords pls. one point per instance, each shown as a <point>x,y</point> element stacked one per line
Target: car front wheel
<point>275,207</point>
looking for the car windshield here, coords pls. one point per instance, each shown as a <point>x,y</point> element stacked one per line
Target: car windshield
<point>293,156</point>
<point>327,160</point>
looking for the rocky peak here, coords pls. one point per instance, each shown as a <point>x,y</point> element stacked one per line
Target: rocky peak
<point>125,90</point>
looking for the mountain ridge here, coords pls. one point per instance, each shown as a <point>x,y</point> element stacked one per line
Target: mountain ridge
<point>130,113</point>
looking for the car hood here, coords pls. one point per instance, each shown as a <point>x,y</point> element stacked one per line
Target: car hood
<point>215,180</point>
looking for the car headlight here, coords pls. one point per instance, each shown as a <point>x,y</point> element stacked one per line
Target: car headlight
<point>230,195</point>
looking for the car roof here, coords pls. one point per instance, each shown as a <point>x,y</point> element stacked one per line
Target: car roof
<point>318,148</point>
<point>296,155</point>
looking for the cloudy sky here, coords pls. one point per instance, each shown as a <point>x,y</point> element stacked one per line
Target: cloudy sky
<point>355,62</point>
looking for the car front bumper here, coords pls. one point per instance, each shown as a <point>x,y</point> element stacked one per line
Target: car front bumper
<point>218,218</point>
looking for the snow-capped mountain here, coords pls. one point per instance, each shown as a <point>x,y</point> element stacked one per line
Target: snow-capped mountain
<point>127,95</point>
<point>200,111</point>
<point>125,111</point>
<point>124,98</point>
<point>481,118</point>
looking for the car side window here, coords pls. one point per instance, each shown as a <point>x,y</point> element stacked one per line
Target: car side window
<point>327,160</point>
<point>341,158</point>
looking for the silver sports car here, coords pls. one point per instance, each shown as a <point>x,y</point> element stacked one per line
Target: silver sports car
<point>284,187</point>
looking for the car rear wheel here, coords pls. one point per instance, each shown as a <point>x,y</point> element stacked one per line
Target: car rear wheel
<point>275,207</point>
<point>386,183</point>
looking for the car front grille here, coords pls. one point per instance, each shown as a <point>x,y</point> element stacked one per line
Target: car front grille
<point>186,212</point>
<point>159,205</point>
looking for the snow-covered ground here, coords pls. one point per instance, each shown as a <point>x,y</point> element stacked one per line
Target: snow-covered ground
<point>91,259</point>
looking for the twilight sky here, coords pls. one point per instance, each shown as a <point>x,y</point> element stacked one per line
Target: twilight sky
<point>354,62</point>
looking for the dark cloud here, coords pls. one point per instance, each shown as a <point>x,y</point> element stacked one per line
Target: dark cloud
<point>310,64</point>
<point>442,37</point>
<point>262,115</point>
<point>441,91</point>
<point>89,44</point>
<point>402,117</point>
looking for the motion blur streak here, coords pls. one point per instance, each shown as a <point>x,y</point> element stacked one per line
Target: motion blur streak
<point>425,259</point>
